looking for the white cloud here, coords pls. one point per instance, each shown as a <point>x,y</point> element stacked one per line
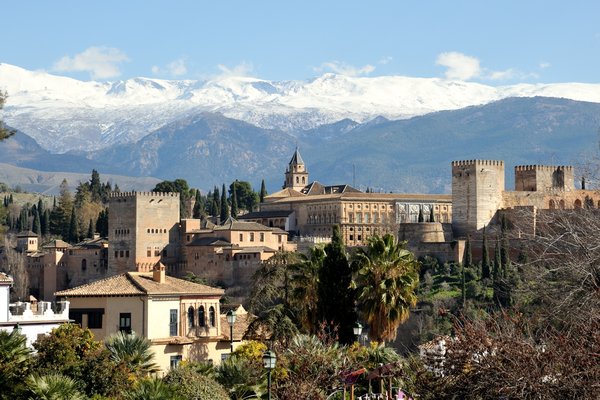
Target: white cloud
<point>503,75</point>
<point>459,66</point>
<point>242,69</point>
<point>544,65</point>
<point>345,69</point>
<point>175,68</point>
<point>385,60</point>
<point>100,61</point>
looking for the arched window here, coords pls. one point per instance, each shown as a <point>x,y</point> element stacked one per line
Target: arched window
<point>561,204</point>
<point>552,205</point>
<point>191,317</point>
<point>303,180</point>
<point>83,264</point>
<point>297,180</point>
<point>211,316</point>
<point>577,203</point>
<point>201,316</point>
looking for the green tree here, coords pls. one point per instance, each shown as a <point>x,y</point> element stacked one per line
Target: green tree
<point>485,257</point>
<point>386,279</point>
<point>336,298</point>
<point>177,186</point>
<point>305,288</point>
<point>102,223</point>
<point>234,202</point>
<point>73,235</point>
<point>431,215</point>
<point>263,191</point>
<point>132,351</point>
<point>15,362</point>
<point>54,386</point>
<point>247,199</point>
<point>36,227</point>
<point>4,131</point>
<point>216,205</point>
<point>90,230</point>
<point>65,351</point>
<point>224,206</point>
<point>421,218</point>
<point>190,384</point>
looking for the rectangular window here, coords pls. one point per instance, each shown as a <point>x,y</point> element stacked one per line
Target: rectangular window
<point>241,237</point>
<point>95,319</point>
<point>175,360</point>
<point>149,251</point>
<point>116,254</point>
<point>252,236</point>
<point>121,253</point>
<point>76,316</point>
<point>156,251</point>
<point>279,238</point>
<point>125,322</point>
<point>127,253</point>
<point>173,323</point>
<point>262,237</point>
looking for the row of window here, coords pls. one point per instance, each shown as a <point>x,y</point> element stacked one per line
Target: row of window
<point>94,319</point>
<point>323,219</point>
<point>200,313</point>
<point>358,206</point>
<point>121,253</point>
<point>157,252</point>
<point>367,218</point>
<point>156,230</point>
<point>251,236</point>
<point>121,231</point>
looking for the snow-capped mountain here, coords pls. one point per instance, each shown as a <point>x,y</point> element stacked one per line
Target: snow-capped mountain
<point>65,114</point>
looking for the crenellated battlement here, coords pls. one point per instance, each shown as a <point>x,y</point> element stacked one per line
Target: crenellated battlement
<point>466,163</point>
<point>142,194</point>
<point>545,168</point>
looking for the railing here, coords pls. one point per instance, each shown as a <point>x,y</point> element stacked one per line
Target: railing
<point>38,311</point>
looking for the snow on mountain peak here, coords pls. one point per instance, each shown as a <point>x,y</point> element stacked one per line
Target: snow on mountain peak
<point>55,109</point>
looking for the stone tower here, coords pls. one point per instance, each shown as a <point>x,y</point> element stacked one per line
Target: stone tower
<point>544,178</point>
<point>296,175</point>
<point>142,230</point>
<point>477,187</point>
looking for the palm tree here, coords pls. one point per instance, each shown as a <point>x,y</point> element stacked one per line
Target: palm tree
<point>386,277</point>
<point>14,361</point>
<point>304,296</point>
<point>151,389</point>
<point>53,387</point>
<point>132,351</point>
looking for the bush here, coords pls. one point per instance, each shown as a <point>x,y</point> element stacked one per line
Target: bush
<point>192,385</point>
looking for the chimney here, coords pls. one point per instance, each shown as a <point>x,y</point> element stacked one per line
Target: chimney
<point>158,273</point>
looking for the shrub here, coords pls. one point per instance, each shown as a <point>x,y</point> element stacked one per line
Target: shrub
<point>192,385</point>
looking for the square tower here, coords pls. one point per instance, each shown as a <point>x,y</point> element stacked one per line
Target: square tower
<point>477,187</point>
<point>142,230</point>
<point>544,178</point>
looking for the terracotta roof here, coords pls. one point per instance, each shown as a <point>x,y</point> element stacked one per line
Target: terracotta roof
<point>360,196</point>
<point>209,241</point>
<point>57,244</point>
<point>285,193</point>
<point>27,234</point>
<point>139,283</point>
<point>91,243</point>
<point>234,225</point>
<point>266,214</point>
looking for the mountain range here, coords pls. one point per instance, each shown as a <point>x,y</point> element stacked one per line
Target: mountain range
<point>386,133</point>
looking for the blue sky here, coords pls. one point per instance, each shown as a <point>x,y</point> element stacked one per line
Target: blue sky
<point>493,42</point>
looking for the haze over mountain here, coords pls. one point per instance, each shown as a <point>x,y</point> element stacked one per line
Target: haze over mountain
<point>64,114</point>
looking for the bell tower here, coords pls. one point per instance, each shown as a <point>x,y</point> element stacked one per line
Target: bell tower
<point>296,175</point>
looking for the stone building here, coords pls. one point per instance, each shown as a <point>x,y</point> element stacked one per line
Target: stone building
<point>313,208</point>
<point>143,230</point>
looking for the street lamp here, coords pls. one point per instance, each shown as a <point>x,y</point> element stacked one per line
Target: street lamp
<point>269,359</point>
<point>357,330</point>
<point>231,315</point>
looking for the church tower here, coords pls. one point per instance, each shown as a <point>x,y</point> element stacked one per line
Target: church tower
<point>296,175</point>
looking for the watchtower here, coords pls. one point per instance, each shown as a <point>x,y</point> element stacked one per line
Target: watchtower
<point>544,178</point>
<point>142,230</point>
<point>477,187</point>
<point>296,175</point>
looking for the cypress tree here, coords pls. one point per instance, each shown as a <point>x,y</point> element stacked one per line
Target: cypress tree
<point>45,222</point>
<point>40,206</point>
<point>505,256</point>
<point>431,215</point>
<point>336,303</point>
<point>224,206</point>
<point>263,191</point>
<point>37,225</point>
<point>485,258</point>
<point>421,218</point>
<point>468,253</point>
<point>463,286</point>
<point>116,189</point>
<point>234,203</point>
<point>497,263</point>
<point>90,232</point>
<point>217,200</point>
<point>73,235</point>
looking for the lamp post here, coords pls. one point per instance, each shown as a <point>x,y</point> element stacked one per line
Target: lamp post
<point>231,315</point>
<point>357,331</point>
<point>269,359</point>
